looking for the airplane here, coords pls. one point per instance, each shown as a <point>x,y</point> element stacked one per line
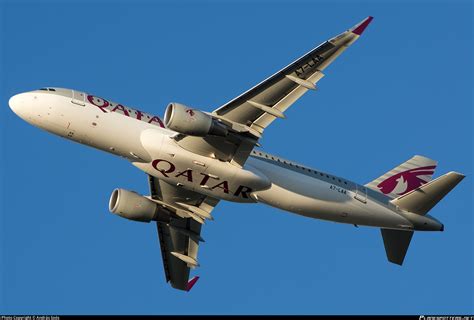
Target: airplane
<point>194,159</point>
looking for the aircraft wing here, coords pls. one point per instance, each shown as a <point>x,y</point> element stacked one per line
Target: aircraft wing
<point>258,107</point>
<point>180,236</point>
<point>254,110</point>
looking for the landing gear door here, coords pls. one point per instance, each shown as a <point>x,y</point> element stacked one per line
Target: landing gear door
<point>78,98</point>
<point>361,194</point>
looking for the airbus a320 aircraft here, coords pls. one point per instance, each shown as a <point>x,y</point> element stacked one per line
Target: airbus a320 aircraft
<point>194,159</point>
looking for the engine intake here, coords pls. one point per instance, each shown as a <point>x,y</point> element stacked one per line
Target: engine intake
<point>132,206</point>
<point>189,121</point>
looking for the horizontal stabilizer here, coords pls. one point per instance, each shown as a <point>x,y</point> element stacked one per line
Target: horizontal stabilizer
<point>396,244</point>
<point>422,199</point>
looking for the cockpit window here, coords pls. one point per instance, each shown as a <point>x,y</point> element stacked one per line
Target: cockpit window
<point>51,89</point>
<point>44,89</point>
<point>48,89</point>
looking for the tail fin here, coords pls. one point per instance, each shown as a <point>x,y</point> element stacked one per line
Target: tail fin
<point>418,201</point>
<point>406,177</point>
<point>422,199</point>
<point>396,244</point>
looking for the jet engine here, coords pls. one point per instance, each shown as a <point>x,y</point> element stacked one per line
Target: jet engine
<point>131,205</point>
<point>192,122</point>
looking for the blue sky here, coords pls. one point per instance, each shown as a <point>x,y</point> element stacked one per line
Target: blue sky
<point>404,88</point>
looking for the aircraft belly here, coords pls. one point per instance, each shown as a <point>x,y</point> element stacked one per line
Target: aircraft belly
<point>345,211</point>
<point>208,176</point>
<point>311,197</point>
<point>298,183</point>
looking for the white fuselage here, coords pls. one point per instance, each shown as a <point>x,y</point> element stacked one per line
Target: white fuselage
<point>143,140</point>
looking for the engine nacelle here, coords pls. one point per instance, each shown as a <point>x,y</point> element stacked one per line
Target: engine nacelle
<point>133,206</point>
<point>192,122</point>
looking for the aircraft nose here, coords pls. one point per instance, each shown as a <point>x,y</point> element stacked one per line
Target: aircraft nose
<point>17,103</point>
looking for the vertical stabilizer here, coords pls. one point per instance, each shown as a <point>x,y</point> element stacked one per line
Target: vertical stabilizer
<point>406,177</point>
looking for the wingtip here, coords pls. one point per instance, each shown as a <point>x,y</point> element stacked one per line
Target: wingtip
<point>457,174</point>
<point>191,283</point>
<point>359,29</point>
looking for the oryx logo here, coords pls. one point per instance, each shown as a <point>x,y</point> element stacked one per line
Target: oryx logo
<point>190,112</point>
<point>406,181</point>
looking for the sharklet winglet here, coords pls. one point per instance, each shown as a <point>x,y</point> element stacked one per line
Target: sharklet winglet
<point>191,283</point>
<point>359,29</point>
